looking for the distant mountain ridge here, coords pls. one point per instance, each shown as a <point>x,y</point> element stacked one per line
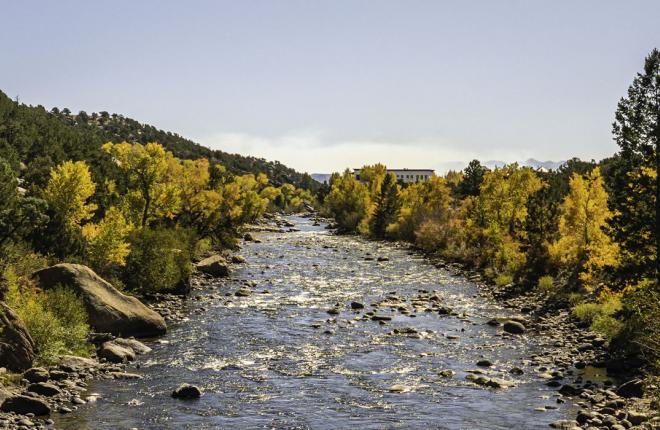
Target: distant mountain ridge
<point>530,162</point>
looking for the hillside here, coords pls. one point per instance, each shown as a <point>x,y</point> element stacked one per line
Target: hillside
<point>40,139</point>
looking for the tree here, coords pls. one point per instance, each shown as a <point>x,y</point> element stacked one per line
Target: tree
<point>634,180</point>
<point>146,168</point>
<point>504,193</point>
<point>583,247</point>
<point>69,187</point>
<point>106,242</point>
<point>387,206</point>
<point>348,201</point>
<point>473,176</point>
<point>18,214</point>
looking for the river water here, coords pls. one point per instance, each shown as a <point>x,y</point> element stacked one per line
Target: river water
<point>278,360</point>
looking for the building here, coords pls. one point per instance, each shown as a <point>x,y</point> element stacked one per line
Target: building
<point>406,175</point>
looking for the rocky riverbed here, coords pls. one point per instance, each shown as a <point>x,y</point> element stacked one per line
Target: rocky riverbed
<point>313,330</point>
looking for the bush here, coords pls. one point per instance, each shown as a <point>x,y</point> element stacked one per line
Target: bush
<point>586,312</point>
<point>503,279</point>
<point>202,247</point>
<point>431,236</point>
<point>601,316</point>
<point>546,284</point>
<point>56,319</point>
<point>159,261</point>
<point>640,334</point>
<point>606,325</point>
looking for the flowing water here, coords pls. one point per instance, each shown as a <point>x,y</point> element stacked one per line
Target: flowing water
<point>278,360</point>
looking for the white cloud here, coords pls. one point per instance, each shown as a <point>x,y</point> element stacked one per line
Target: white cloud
<point>314,151</point>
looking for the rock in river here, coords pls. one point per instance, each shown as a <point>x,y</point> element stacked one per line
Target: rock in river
<point>187,391</point>
<point>115,353</point>
<point>25,405</point>
<point>16,345</point>
<point>514,327</point>
<point>214,265</point>
<point>238,259</point>
<point>109,310</point>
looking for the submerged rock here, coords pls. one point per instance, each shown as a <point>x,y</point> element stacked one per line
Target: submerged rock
<point>187,391</point>
<point>16,344</point>
<point>243,292</point>
<point>238,259</point>
<point>109,310</point>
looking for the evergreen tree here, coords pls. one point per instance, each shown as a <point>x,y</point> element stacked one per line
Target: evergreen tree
<point>473,176</point>
<point>634,175</point>
<point>387,206</point>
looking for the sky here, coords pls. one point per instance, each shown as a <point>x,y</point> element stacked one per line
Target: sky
<point>325,85</point>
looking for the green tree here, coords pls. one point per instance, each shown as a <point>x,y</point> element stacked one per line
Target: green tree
<point>387,206</point>
<point>634,179</point>
<point>473,176</point>
<point>19,214</point>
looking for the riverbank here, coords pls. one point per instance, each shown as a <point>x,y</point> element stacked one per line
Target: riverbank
<point>625,398</point>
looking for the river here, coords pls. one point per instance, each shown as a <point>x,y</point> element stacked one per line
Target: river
<point>278,360</point>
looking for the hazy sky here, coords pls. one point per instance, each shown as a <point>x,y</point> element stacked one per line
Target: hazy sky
<point>323,85</point>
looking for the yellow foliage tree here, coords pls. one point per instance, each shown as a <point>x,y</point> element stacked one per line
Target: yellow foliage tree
<point>150,170</point>
<point>69,187</point>
<point>583,246</point>
<point>106,243</point>
<point>504,195</point>
<point>348,201</point>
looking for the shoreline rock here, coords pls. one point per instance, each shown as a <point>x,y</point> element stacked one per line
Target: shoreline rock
<point>109,310</point>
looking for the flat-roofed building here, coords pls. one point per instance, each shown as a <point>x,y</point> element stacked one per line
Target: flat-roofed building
<point>406,175</point>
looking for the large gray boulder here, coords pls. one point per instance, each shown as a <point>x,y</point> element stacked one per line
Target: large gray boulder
<point>109,310</point>
<point>16,345</point>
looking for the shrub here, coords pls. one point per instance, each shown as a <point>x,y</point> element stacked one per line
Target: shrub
<point>606,325</point>
<point>503,279</point>
<point>546,284</point>
<point>56,319</point>
<point>586,312</point>
<point>202,246</point>
<point>431,235</point>
<point>159,261</point>
<point>601,316</point>
<point>640,335</point>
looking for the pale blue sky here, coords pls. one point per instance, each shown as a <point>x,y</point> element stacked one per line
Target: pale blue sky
<point>323,85</point>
